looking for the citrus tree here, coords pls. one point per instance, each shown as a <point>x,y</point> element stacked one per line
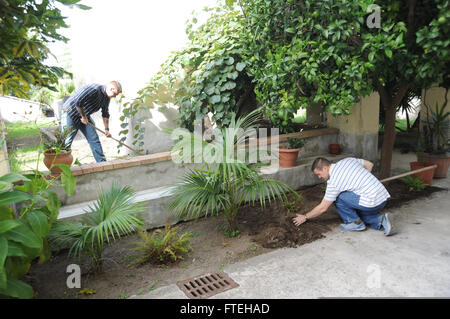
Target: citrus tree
<point>26,29</point>
<point>293,54</point>
<point>306,52</point>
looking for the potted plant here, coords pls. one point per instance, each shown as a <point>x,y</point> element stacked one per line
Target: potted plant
<point>334,149</point>
<point>288,153</point>
<point>56,151</point>
<point>426,176</point>
<point>434,143</point>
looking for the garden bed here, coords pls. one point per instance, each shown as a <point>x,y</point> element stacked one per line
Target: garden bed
<point>262,230</point>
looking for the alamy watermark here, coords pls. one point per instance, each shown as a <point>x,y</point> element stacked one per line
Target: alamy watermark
<point>374,19</point>
<point>74,279</point>
<point>227,145</point>
<point>374,278</point>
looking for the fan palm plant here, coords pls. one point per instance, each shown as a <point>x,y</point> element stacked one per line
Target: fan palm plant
<point>113,214</point>
<point>225,181</point>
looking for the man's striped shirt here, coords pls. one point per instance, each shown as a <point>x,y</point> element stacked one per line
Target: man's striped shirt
<point>90,98</point>
<point>350,175</point>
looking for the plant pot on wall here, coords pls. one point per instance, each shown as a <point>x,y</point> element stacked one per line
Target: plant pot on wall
<point>335,149</point>
<point>442,161</point>
<point>425,176</point>
<point>288,156</point>
<point>51,159</point>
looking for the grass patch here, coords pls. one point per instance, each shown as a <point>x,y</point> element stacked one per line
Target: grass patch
<point>400,125</point>
<point>24,159</point>
<point>22,130</point>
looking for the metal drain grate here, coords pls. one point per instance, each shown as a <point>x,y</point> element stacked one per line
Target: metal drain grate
<point>207,285</point>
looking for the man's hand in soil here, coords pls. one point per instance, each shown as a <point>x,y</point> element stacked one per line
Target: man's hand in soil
<point>316,211</point>
<point>300,219</point>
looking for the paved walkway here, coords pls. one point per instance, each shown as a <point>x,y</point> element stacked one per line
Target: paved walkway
<point>413,263</point>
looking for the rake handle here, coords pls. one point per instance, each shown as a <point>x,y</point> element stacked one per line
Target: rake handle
<point>90,124</point>
<point>408,173</point>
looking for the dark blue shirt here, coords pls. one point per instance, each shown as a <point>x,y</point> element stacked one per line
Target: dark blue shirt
<point>90,98</point>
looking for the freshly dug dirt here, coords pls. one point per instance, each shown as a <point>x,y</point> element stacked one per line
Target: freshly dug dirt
<point>262,230</point>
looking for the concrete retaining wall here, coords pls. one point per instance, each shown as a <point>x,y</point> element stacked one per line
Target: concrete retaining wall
<point>155,174</point>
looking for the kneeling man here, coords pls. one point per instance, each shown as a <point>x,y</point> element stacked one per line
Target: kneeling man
<point>358,195</point>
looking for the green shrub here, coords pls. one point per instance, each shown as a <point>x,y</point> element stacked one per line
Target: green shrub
<point>414,184</point>
<point>162,246</point>
<point>296,142</point>
<point>113,214</point>
<point>23,235</point>
<point>293,205</point>
<point>59,144</point>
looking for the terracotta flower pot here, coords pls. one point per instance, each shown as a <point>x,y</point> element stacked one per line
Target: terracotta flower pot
<point>426,176</point>
<point>288,156</point>
<point>50,159</point>
<point>334,149</point>
<point>442,162</point>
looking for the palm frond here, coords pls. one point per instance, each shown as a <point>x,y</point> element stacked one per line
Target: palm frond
<point>262,190</point>
<point>70,235</point>
<point>199,192</point>
<point>113,214</point>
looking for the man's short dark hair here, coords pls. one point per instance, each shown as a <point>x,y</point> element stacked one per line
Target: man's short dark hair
<point>319,163</point>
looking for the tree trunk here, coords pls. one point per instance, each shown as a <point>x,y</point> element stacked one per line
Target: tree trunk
<point>233,229</point>
<point>388,142</point>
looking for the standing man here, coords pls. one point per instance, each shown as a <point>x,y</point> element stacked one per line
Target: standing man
<point>358,195</point>
<point>77,112</point>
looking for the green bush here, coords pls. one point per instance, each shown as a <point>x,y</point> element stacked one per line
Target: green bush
<point>414,184</point>
<point>296,142</point>
<point>162,246</point>
<point>23,236</point>
<point>113,214</point>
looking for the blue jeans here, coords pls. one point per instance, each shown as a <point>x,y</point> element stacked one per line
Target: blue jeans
<point>347,204</point>
<point>89,132</point>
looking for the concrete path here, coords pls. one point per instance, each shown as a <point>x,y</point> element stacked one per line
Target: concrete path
<point>413,263</point>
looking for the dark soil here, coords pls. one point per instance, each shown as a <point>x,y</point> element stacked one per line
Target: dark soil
<point>262,230</point>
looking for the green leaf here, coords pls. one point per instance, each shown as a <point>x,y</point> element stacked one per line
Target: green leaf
<point>12,178</point>
<point>38,222</point>
<point>388,53</point>
<point>22,234</point>
<point>67,179</point>
<point>16,249</point>
<point>215,99</point>
<point>3,252</point>
<point>3,278</point>
<point>13,197</point>
<point>45,254</point>
<point>7,225</point>
<point>230,61</point>
<point>290,30</point>
<point>53,205</point>
<point>83,7</point>
<point>6,213</point>
<point>240,66</point>
<point>16,288</point>
<point>228,86</point>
